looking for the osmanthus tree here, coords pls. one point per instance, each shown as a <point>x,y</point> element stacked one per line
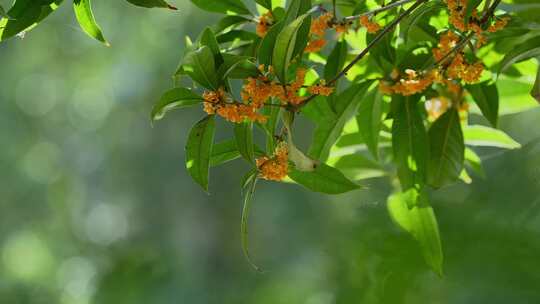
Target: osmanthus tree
<point>391,87</point>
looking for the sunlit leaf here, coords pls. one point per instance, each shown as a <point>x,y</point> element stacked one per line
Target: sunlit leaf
<point>25,15</point>
<point>477,135</point>
<point>228,21</point>
<point>199,150</point>
<point>222,6</point>
<point>83,12</point>
<point>526,50</point>
<point>174,99</point>
<point>265,3</point>
<point>535,91</point>
<point>324,179</point>
<point>447,150</point>
<point>412,212</point>
<point>474,162</point>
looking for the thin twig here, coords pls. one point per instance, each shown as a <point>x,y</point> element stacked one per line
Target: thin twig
<point>366,50</point>
<point>378,10</point>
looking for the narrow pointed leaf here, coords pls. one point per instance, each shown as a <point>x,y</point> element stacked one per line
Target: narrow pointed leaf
<point>418,219</point>
<point>85,17</point>
<point>336,60</point>
<point>208,38</point>
<point>447,150</point>
<point>174,99</point>
<point>285,46</point>
<point>222,6</point>
<point>265,3</point>
<point>409,142</point>
<point>486,96</point>
<point>328,131</point>
<point>324,179</point>
<point>25,15</point>
<point>199,150</point>
<point>200,66</point>
<point>535,91</point>
<point>474,162</point>
<point>251,182</point>
<point>369,120</point>
<point>223,152</point>
<point>152,3</point>
<point>526,50</point>
<point>243,134</point>
<point>477,135</point>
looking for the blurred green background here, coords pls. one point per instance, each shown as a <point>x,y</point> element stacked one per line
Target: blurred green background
<point>96,206</point>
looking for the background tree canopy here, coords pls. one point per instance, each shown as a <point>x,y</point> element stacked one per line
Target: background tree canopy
<point>98,208</point>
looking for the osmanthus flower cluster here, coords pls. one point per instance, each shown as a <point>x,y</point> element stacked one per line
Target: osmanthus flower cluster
<point>412,74</point>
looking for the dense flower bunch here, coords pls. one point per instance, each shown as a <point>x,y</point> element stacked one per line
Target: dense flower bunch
<point>425,65</point>
<point>275,167</point>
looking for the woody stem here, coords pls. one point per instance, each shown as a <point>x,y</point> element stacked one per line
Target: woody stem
<point>378,10</point>
<point>366,50</point>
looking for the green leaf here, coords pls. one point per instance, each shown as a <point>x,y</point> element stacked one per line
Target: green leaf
<point>476,135</point>
<point>152,3</point>
<point>295,9</point>
<point>413,214</point>
<point>285,46</point>
<point>251,182</point>
<point>243,133</point>
<point>200,66</point>
<point>174,99</point>
<point>535,91</point>
<point>409,141</point>
<point>328,131</point>
<point>324,179</point>
<point>222,6</point>
<point>447,150</point>
<point>25,15</point>
<point>265,3</point>
<point>199,149</point>
<point>208,39</point>
<point>369,120</point>
<point>357,166</point>
<point>223,152</point>
<point>233,35</point>
<point>526,50</point>
<point>266,49</point>
<point>419,15</point>
<point>237,67</point>
<point>228,21</point>
<point>336,60</point>
<point>3,13</point>
<point>486,96</point>
<point>83,12</point>
<point>474,162</point>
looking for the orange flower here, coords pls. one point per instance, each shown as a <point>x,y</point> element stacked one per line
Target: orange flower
<point>372,27</point>
<point>275,167</point>
<point>265,21</point>
<point>315,45</point>
<point>321,89</point>
<point>320,24</point>
<point>459,68</point>
<point>447,42</point>
<point>216,102</point>
<point>498,25</point>
<point>413,84</point>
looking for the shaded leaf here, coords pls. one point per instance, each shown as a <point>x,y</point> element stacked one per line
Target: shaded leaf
<point>447,150</point>
<point>526,50</point>
<point>230,20</point>
<point>265,3</point>
<point>199,149</point>
<point>336,60</point>
<point>324,179</point>
<point>250,182</point>
<point>486,96</point>
<point>243,134</point>
<point>409,141</point>
<point>223,152</point>
<point>25,15</point>
<point>200,66</point>
<point>285,46</point>
<point>474,162</point>
<point>535,91</point>
<point>369,120</point>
